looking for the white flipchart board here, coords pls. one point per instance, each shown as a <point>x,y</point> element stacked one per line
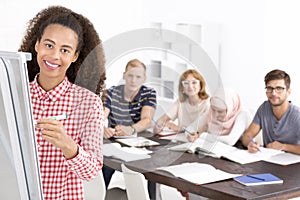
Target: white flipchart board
<point>19,168</point>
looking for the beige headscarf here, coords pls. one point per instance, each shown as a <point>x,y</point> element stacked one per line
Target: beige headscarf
<point>224,98</point>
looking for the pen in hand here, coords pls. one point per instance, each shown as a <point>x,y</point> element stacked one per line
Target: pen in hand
<point>189,132</point>
<point>183,129</point>
<point>57,117</point>
<point>157,125</point>
<point>253,141</point>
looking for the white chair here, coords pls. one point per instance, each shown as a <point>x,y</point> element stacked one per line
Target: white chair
<point>167,192</point>
<point>117,181</point>
<point>95,189</point>
<point>136,184</point>
<point>136,187</point>
<point>116,188</point>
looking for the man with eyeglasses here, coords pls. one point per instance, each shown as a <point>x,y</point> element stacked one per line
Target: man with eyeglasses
<point>278,118</point>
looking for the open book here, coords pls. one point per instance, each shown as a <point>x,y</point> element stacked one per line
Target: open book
<point>265,154</point>
<point>198,173</point>
<point>127,154</point>
<point>242,156</point>
<point>211,148</point>
<point>283,158</point>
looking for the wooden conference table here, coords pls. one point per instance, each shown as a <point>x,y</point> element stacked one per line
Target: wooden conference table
<point>227,189</point>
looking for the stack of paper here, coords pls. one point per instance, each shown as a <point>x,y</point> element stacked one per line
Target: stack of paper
<point>123,136</point>
<point>198,173</point>
<point>167,132</point>
<point>125,153</point>
<point>137,142</point>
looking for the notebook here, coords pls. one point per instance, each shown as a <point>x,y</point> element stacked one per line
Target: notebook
<point>198,173</point>
<point>258,179</point>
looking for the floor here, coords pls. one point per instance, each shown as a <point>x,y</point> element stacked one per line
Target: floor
<point>115,194</point>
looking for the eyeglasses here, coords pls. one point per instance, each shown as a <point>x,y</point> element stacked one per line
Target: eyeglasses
<point>278,90</point>
<point>187,83</point>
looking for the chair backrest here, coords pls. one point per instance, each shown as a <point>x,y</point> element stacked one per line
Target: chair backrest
<point>167,192</point>
<point>136,184</point>
<point>95,189</point>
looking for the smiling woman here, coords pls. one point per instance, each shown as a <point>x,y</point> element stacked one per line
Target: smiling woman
<point>88,70</point>
<point>193,102</point>
<point>69,149</point>
<point>56,51</point>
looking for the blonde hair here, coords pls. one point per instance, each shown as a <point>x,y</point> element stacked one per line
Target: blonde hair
<point>202,93</point>
<point>135,63</point>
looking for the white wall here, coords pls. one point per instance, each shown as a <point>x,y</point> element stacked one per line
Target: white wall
<point>241,37</point>
<point>109,17</point>
<point>282,41</point>
<point>256,35</point>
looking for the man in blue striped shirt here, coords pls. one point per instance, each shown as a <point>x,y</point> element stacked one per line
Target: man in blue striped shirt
<point>129,108</point>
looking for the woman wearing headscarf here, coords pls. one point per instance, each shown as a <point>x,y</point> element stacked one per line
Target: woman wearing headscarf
<point>226,121</point>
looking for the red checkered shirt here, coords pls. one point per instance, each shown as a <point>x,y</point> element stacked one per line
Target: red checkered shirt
<point>62,178</point>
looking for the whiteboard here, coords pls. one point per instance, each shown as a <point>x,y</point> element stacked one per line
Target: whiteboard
<point>19,169</point>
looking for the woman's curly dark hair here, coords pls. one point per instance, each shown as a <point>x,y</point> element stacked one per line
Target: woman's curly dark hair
<point>88,71</point>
